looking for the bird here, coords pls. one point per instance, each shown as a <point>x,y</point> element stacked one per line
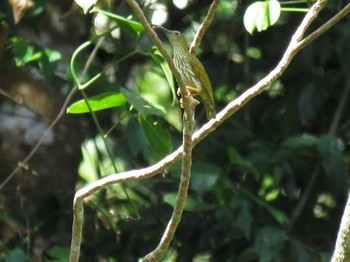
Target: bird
<point>192,71</point>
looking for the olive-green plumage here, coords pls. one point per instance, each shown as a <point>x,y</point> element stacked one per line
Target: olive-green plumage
<point>192,71</point>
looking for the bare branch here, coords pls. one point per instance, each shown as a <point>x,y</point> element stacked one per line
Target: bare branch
<point>54,122</point>
<point>41,140</point>
<point>342,247</point>
<point>325,27</point>
<point>203,27</point>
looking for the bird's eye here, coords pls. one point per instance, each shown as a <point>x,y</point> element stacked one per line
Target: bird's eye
<point>177,33</point>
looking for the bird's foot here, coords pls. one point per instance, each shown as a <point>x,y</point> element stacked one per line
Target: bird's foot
<point>191,91</point>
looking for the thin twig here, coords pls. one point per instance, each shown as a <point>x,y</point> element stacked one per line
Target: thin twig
<point>340,109</point>
<point>342,246</point>
<point>41,140</point>
<point>52,125</point>
<point>304,197</point>
<point>203,27</point>
<point>325,27</point>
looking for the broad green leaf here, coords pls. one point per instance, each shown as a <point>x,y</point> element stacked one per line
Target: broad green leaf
<point>331,149</point>
<point>23,51</point>
<point>16,255</point>
<point>128,25</point>
<point>330,145</point>
<point>309,102</point>
<point>299,249</point>
<point>278,215</point>
<point>304,140</point>
<point>269,242</point>
<point>236,159</point>
<point>261,15</point>
<point>191,204</point>
<point>49,60</point>
<point>85,4</point>
<point>88,168</point>
<point>204,177</point>
<point>58,254</point>
<point>159,59</point>
<point>142,105</point>
<point>249,254</point>
<point>243,218</point>
<point>99,102</point>
<point>136,138</point>
<point>158,137</point>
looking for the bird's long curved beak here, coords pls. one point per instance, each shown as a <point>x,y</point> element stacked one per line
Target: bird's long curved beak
<point>161,28</point>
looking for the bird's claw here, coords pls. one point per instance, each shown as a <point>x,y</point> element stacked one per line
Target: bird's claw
<point>193,102</point>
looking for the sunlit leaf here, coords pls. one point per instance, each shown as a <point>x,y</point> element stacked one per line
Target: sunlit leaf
<point>204,177</point>
<point>59,254</point>
<point>158,137</point>
<point>269,241</point>
<point>159,59</point>
<point>99,102</point>
<point>16,255</point>
<point>261,15</point>
<point>85,4</point>
<point>236,159</point>
<point>191,204</point>
<point>88,168</point>
<point>304,140</point>
<point>331,149</point>
<point>23,51</point>
<point>141,105</point>
<point>49,61</point>
<point>124,23</point>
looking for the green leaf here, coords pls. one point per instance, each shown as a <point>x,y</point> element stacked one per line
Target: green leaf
<point>204,177</point>
<point>278,215</point>
<point>159,59</point>
<point>236,159</point>
<point>88,168</point>
<point>142,105</point>
<point>59,254</point>
<point>136,138</point>
<point>243,218</point>
<point>331,149</point>
<point>304,140</point>
<point>99,102</point>
<point>158,137</point>
<point>299,250</point>
<point>16,255</point>
<point>261,15</point>
<point>191,204</point>
<point>85,4</point>
<point>269,242</point>
<point>309,102</point>
<point>23,51</point>
<point>49,60</point>
<point>128,25</point>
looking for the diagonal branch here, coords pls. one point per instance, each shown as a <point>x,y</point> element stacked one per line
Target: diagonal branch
<point>203,27</point>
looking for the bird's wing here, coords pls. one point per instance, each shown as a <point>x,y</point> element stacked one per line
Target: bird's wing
<point>200,72</point>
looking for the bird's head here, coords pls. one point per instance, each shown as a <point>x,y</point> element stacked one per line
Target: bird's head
<point>175,37</point>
